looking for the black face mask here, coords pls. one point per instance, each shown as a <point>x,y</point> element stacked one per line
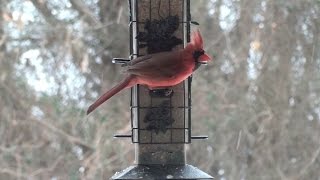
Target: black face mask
<point>196,55</point>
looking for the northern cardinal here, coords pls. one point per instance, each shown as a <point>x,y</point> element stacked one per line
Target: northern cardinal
<point>160,70</point>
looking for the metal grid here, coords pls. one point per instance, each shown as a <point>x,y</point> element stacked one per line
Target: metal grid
<point>138,130</point>
<point>135,105</point>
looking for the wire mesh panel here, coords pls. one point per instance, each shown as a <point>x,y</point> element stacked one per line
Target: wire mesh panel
<point>160,116</point>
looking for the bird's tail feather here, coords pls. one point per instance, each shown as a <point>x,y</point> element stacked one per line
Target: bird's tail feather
<point>126,83</point>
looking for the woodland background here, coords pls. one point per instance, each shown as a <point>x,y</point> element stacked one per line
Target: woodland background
<point>259,100</point>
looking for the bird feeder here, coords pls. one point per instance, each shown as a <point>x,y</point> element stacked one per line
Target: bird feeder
<point>160,118</point>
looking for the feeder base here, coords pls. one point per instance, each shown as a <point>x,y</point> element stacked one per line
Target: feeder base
<point>161,172</point>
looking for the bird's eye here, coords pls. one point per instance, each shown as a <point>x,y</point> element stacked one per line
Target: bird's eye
<point>197,54</point>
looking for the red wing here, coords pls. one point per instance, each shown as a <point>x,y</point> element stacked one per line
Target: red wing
<point>165,64</point>
<point>138,59</point>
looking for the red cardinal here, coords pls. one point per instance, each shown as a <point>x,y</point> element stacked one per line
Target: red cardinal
<point>160,70</point>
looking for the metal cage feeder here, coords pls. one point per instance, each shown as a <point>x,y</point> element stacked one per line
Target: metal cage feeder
<point>160,118</point>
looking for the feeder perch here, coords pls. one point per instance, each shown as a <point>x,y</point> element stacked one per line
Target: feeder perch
<point>161,118</point>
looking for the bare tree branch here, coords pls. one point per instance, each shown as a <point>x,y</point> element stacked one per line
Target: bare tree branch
<point>50,168</point>
<point>46,12</point>
<point>70,138</point>
<point>314,157</point>
<point>83,10</point>
<point>13,173</point>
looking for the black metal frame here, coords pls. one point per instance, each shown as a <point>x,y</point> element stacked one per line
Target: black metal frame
<point>135,106</point>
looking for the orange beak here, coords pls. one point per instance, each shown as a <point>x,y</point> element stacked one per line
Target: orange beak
<point>203,59</point>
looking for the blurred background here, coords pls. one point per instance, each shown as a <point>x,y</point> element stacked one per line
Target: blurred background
<point>259,100</point>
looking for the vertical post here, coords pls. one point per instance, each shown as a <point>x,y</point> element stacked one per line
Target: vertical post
<point>160,119</point>
<point>156,146</point>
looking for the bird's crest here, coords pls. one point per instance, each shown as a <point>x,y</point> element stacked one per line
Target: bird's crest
<point>196,40</point>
